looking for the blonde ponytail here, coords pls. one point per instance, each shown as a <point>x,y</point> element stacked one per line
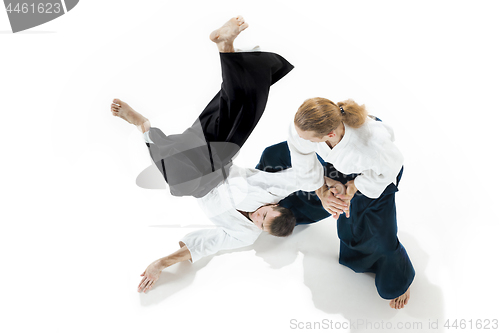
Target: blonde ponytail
<point>354,115</point>
<point>320,115</point>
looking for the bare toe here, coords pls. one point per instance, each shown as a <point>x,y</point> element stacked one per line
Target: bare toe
<point>243,26</point>
<point>226,34</point>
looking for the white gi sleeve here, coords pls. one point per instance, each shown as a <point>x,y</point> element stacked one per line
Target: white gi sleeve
<point>305,163</point>
<point>202,243</point>
<point>384,171</point>
<point>280,183</point>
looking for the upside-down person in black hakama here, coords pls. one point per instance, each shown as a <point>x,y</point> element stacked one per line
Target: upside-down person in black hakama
<point>241,202</point>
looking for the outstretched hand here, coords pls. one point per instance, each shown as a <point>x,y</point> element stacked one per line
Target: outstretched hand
<point>150,276</point>
<point>152,273</point>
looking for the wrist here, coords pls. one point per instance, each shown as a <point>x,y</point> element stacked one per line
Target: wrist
<point>351,188</point>
<point>164,263</point>
<point>321,190</point>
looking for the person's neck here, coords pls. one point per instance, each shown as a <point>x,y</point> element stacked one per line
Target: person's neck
<point>339,134</point>
<point>246,214</point>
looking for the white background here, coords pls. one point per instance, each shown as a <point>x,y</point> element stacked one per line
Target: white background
<point>76,231</point>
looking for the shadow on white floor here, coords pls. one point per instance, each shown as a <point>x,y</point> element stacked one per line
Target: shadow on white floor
<point>335,289</point>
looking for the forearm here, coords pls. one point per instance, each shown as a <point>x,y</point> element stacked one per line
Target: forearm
<point>180,255</point>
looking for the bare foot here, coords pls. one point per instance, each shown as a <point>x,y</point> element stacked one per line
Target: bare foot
<point>124,111</point>
<point>401,301</point>
<point>225,35</point>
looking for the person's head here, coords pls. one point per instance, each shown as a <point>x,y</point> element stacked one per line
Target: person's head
<point>318,118</point>
<point>278,221</point>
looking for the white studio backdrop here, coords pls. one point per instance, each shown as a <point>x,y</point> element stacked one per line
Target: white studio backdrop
<point>77,231</point>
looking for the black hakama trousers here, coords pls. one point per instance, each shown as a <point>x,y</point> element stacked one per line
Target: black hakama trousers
<point>369,242</point>
<point>196,161</point>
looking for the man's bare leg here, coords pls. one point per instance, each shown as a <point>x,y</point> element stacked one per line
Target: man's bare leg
<point>401,301</point>
<point>225,35</point>
<point>124,111</point>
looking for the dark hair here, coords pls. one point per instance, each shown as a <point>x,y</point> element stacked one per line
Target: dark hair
<point>283,224</point>
<point>322,116</point>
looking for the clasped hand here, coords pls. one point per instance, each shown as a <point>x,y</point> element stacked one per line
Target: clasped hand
<point>335,197</point>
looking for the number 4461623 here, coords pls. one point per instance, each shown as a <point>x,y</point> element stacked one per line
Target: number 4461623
<point>41,8</point>
<point>485,324</point>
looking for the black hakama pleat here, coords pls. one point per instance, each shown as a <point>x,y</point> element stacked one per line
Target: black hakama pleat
<point>369,242</point>
<point>196,161</point>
